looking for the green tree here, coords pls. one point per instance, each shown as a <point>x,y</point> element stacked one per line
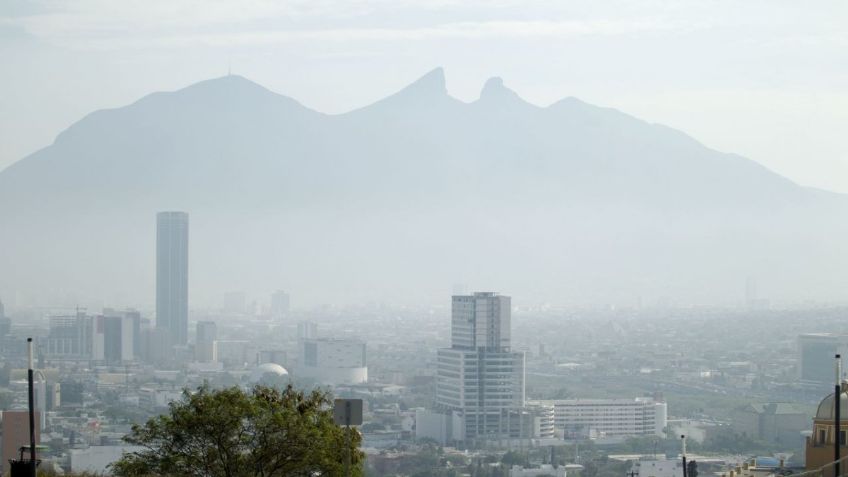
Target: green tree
<point>512,457</point>
<point>230,433</point>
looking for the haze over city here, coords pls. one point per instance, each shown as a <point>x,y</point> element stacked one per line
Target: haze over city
<point>497,238</point>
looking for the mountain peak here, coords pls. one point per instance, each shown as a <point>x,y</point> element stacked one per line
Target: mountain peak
<point>224,90</point>
<point>431,83</point>
<point>227,83</point>
<point>494,90</point>
<point>428,89</point>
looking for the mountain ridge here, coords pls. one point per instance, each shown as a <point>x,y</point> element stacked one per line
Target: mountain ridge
<point>619,202</point>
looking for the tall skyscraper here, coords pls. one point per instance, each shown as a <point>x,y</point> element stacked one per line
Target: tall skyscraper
<point>172,275</point>
<point>479,379</point>
<point>71,336</point>
<point>279,305</point>
<point>815,355</point>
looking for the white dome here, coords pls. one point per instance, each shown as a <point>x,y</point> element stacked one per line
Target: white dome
<point>826,407</point>
<point>267,371</point>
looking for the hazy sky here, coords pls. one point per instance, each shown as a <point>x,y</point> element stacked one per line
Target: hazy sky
<point>766,79</point>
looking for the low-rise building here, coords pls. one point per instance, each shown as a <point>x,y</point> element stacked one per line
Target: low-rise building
<point>776,422</point>
<point>657,468</point>
<point>333,361</point>
<point>609,418</point>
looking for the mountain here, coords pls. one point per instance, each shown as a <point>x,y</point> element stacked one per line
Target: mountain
<point>398,200</point>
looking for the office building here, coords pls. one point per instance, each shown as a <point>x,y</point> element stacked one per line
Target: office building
<point>156,346</point>
<point>479,379</point>
<point>205,348</point>
<point>815,355</point>
<point>541,419</point>
<point>134,317</point>
<point>333,361</point>
<point>70,337</point>
<point>172,275</point>
<point>609,418</point>
<point>279,305</point>
<point>113,339</point>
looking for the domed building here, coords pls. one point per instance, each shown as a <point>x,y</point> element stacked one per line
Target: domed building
<point>269,374</point>
<point>820,445</point>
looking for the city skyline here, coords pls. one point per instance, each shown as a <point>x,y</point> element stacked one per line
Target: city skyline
<point>405,238</point>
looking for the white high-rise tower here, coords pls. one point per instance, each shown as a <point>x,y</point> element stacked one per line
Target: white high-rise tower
<point>479,379</point>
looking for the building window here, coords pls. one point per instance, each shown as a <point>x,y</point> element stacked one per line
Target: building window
<point>842,438</point>
<point>822,436</point>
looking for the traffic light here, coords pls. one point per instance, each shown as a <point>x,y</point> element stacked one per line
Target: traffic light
<point>692,469</point>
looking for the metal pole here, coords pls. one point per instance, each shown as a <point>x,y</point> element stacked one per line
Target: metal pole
<point>347,434</point>
<point>32,460</point>
<point>837,404</point>
<point>683,454</point>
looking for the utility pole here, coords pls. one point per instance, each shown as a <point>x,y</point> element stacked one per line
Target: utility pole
<point>32,461</point>
<point>683,454</point>
<point>837,405</point>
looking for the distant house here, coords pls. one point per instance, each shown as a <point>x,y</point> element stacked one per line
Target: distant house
<point>777,422</point>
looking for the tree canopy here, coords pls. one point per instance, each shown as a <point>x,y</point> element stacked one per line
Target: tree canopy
<point>230,433</point>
